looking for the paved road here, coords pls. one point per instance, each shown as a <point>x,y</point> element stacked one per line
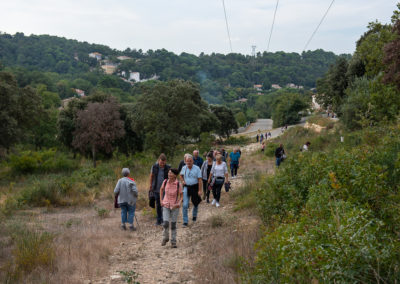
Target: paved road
<point>265,125</point>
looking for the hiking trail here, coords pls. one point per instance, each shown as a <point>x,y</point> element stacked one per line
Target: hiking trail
<point>143,252</point>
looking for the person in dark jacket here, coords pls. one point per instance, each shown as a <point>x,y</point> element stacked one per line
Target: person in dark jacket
<point>159,172</point>
<point>197,160</point>
<point>279,154</point>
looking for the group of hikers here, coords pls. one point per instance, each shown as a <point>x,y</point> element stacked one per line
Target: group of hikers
<point>169,188</point>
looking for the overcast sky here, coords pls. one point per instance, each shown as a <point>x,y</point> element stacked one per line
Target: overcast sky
<point>198,26</point>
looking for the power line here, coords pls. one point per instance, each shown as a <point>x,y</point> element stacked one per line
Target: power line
<point>326,13</point>
<point>273,22</point>
<point>227,27</point>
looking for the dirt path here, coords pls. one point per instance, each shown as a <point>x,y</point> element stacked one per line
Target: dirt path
<point>144,254</point>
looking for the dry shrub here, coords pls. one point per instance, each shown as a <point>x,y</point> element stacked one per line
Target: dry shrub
<point>33,249</point>
<point>216,221</point>
<point>228,253</point>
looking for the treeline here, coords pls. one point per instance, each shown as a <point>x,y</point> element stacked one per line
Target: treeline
<point>365,89</point>
<point>222,78</point>
<point>164,115</point>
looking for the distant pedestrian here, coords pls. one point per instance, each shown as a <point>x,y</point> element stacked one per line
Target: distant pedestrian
<point>262,147</point>
<point>158,173</point>
<point>171,195</point>
<point>127,193</point>
<point>197,160</point>
<point>269,134</point>
<point>279,155</point>
<point>261,138</point>
<point>193,184</point>
<point>218,177</point>
<point>224,155</point>
<point>257,138</point>
<point>205,173</point>
<point>306,146</point>
<point>234,162</point>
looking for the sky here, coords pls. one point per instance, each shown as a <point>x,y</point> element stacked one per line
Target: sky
<point>198,26</point>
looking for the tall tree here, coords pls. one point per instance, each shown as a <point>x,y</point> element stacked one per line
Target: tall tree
<point>169,114</point>
<point>227,122</point>
<point>391,58</point>
<point>98,126</point>
<point>19,109</point>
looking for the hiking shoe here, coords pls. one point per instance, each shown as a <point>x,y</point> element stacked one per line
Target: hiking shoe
<point>158,224</point>
<point>213,202</point>
<point>123,227</point>
<point>173,245</point>
<point>164,242</point>
<point>217,204</point>
<point>132,228</point>
<point>185,225</point>
<point>194,219</point>
<point>208,200</point>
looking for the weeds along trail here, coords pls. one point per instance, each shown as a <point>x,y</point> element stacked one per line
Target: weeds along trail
<point>143,254</point>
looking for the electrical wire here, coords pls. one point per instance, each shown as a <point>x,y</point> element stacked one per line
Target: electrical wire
<point>227,26</point>
<point>315,31</point>
<point>273,22</point>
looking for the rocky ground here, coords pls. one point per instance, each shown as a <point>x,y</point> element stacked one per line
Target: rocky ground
<point>143,253</point>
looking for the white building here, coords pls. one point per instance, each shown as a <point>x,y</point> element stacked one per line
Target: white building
<point>134,76</point>
<point>123,57</point>
<point>275,86</point>
<point>79,93</point>
<point>95,55</point>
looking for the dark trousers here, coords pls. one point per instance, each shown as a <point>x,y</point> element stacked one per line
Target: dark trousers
<point>158,208</point>
<point>217,191</point>
<point>234,169</point>
<point>206,192</point>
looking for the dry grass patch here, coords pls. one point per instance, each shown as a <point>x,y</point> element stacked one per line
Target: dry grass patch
<point>228,252</point>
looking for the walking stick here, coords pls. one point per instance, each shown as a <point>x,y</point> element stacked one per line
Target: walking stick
<point>137,221</point>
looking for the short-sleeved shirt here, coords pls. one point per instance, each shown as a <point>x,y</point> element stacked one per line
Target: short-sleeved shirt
<point>234,157</point>
<point>172,191</point>
<point>192,175</point>
<point>219,170</point>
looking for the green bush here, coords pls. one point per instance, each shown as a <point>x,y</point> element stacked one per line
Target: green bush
<point>241,140</point>
<point>333,216</point>
<point>45,161</point>
<point>270,149</point>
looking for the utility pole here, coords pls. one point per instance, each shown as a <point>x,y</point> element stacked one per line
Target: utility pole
<point>253,50</point>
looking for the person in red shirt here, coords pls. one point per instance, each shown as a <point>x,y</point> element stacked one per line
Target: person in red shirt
<point>171,195</point>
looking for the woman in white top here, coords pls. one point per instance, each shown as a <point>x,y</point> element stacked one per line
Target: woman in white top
<point>219,176</point>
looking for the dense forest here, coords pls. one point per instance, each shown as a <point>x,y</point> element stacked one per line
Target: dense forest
<point>221,77</point>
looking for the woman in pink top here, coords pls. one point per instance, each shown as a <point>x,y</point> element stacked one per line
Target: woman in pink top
<point>171,196</point>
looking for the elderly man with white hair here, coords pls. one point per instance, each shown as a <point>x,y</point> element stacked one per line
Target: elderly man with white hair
<point>127,195</point>
<point>193,186</point>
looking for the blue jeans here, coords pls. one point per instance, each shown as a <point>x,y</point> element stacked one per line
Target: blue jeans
<point>127,213</point>
<point>278,161</point>
<point>185,206</point>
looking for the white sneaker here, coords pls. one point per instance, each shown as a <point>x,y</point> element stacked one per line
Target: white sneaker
<point>213,202</point>
<point>217,204</point>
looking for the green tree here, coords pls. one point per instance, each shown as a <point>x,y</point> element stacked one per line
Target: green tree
<point>287,108</point>
<point>19,108</point>
<point>170,113</point>
<point>227,122</point>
